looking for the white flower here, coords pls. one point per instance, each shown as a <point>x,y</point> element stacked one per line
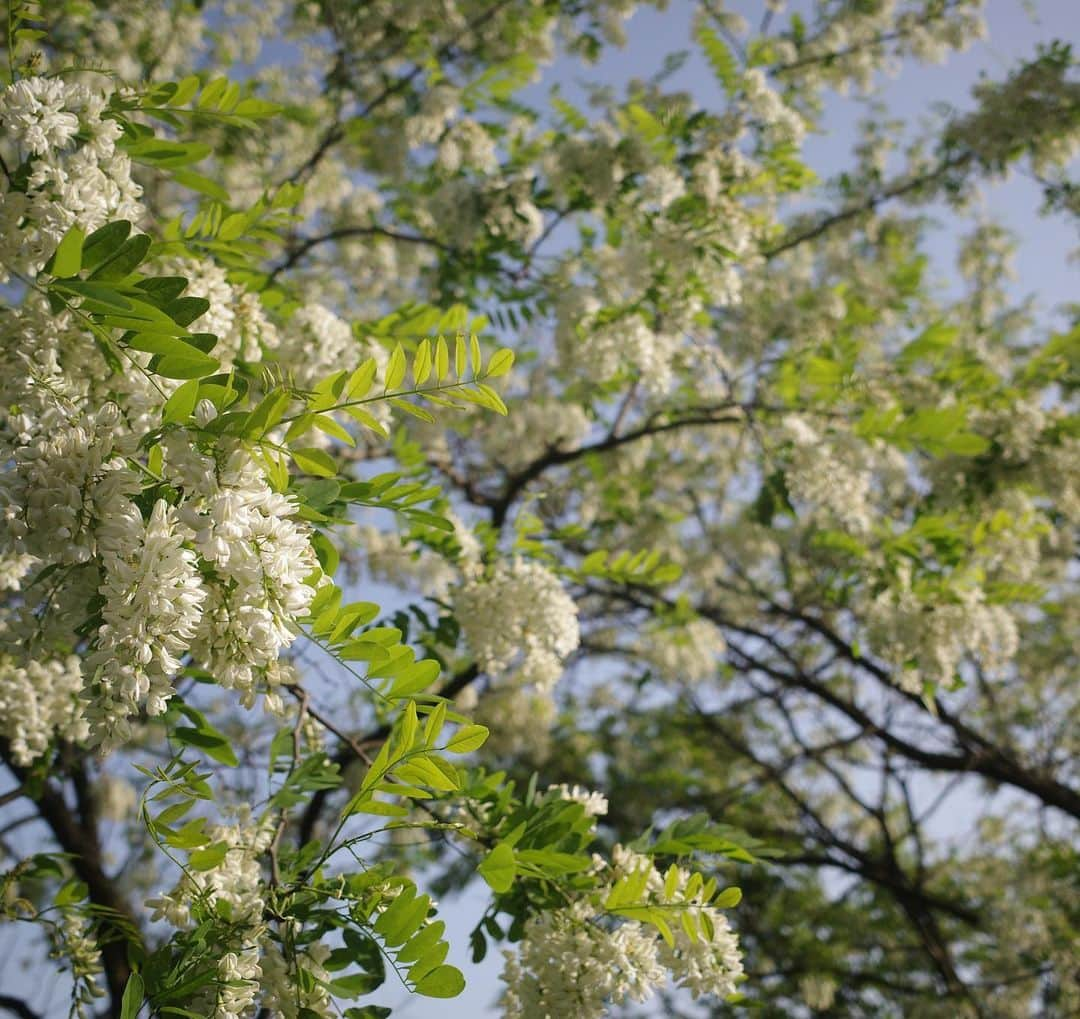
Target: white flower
<point>261,556</point>
<point>520,620</point>
<point>595,804</point>
<point>569,965</point>
<point>153,597</point>
<point>37,700</point>
<point>88,183</point>
<point>33,114</point>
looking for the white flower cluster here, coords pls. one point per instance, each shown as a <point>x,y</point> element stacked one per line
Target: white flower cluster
<point>569,965</point>
<point>240,976</point>
<point>236,881</point>
<point>595,804</point>
<point>133,35</point>
<point>286,993</point>
<point>768,109</point>
<point>73,940</point>
<point>153,600</point>
<point>219,578</point>
<point>519,620</point>
<point>534,428</point>
<point>76,174</point>
<point>251,963</point>
<point>235,315</point>
<point>462,209</point>
<point>114,797</point>
<point>685,654</point>
<point>412,566</point>
<point>437,108</point>
<point>853,42</point>
<point>467,144</point>
<point>602,350</point>
<point>592,165</point>
<point>317,343</point>
<point>261,559</point>
<point>830,473</point>
<point>926,640</point>
<point>502,711</point>
<point>579,962</point>
<point>37,700</point>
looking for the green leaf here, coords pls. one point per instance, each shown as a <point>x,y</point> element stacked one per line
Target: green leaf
<point>360,380</point>
<point>441,982</point>
<point>422,362</point>
<point>422,942</point>
<point>268,413</point>
<point>728,898</point>
<point>208,858</point>
<point>467,739</point>
<point>414,678</point>
<point>315,461</point>
<point>354,985</point>
<point>186,310</point>
<point>719,57</point>
<point>499,868</point>
<point>433,726</point>
<point>253,107</point>
<point>198,182</point>
<point>501,362</point>
<point>212,94</point>
<point>162,152</point>
<point>103,242</point>
<point>233,226</point>
<point>72,890</point>
<point>124,260</point>
<point>367,420</point>
<point>424,771</point>
<point>133,997</point>
<point>442,359</point>
<point>209,740</point>
<point>67,259</point>
<point>933,341</point>
<point>395,368</point>
<point>184,366</point>
<point>966,444</point>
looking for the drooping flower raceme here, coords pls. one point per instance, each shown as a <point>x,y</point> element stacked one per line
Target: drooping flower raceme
<point>519,621</point>
<point>583,960</point>
<point>260,556</point>
<point>152,601</point>
<point>37,700</point>
<point>87,182</point>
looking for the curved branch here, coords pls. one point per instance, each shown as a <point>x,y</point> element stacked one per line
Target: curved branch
<point>870,204</point>
<point>308,243</point>
<point>16,1006</point>
<point>555,456</point>
<point>118,921</point>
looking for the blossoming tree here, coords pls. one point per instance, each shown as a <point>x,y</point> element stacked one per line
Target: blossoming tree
<point>713,546</point>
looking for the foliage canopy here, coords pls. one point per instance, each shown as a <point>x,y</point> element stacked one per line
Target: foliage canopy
<point>720,553</point>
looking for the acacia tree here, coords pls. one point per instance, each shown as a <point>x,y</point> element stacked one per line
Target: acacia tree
<point>760,555</point>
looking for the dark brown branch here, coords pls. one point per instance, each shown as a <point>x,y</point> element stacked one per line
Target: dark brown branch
<point>86,861</point>
<point>556,456</point>
<point>897,190</point>
<point>297,252</point>
<point>16,1006</point>
<point>336,132</point>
